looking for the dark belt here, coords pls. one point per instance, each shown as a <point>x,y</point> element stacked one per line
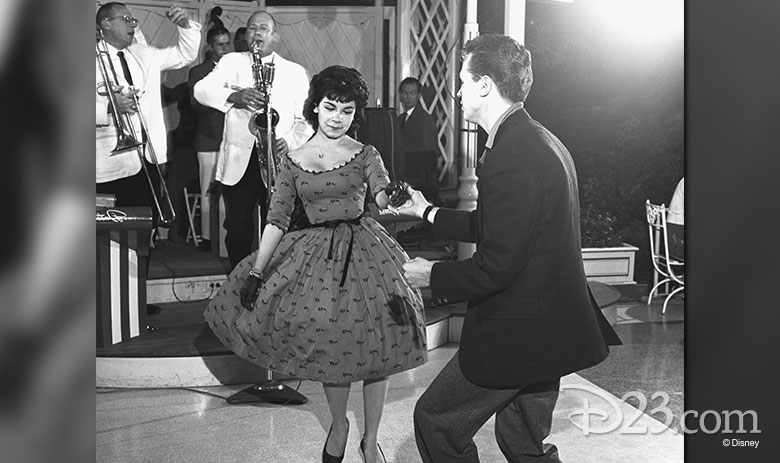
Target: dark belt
<point>333,224</point>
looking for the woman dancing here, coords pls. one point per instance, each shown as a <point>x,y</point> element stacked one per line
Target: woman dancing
<point>328,303</point>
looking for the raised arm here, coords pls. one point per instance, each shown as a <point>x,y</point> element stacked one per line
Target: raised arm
<point>186,49</point>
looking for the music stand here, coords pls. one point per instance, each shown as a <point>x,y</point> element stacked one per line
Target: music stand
<point>270,391</point>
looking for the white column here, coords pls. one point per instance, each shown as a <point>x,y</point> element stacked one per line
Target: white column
<point>379,31</point>
<point>403,26</point>
<point>453,105</point>
<point>514,19</point>
<point>467,188</point>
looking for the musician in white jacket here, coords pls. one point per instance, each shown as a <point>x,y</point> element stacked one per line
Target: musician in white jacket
<point>120,174</point>
<point>230,88</point>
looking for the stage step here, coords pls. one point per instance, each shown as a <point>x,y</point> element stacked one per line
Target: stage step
<point>183,352</point>
<point>179,273</point>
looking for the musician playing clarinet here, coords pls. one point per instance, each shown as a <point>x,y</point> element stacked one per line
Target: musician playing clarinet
<point>230,87</point>
<point>138,67</point>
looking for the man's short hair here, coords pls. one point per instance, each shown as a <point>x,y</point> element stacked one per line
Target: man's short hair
<point>411,80</point>
<point>106,11</point>
<point>215,32</point>
<point>273,20</point>
<point>240,45</point>
<point>505,61</point>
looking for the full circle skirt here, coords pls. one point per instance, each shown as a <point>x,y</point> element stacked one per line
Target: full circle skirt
<point>333,307</point>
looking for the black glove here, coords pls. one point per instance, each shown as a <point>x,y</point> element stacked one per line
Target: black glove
<point>249,292</point>
<point>397,192</point>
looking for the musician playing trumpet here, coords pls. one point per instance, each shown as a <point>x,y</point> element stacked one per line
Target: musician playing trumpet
<point>136,92</point>
<point>231,87</point>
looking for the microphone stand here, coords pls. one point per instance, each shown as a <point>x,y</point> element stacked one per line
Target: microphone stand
<point>271,391</point>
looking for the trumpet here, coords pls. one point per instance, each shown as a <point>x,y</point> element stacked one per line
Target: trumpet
<point>263,120</point>
<point>126,139</point>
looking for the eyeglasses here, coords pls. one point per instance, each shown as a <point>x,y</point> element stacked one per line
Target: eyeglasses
<point>128,19</point>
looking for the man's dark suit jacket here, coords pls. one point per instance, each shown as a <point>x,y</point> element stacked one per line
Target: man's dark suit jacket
<point>530,316</point>
<point>419,132</point>
<point>211,121</point>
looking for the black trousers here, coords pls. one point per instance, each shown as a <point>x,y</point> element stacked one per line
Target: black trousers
<point>453,409</point>
<point>182,171</point>
<point>241,202</point>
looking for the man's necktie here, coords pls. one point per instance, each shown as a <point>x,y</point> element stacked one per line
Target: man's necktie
<point>403,119</point>
<point>125,68</point>
<point>129,79</point>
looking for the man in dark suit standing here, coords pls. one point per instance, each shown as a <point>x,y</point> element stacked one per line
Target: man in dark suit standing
<point>418,128</point>
<point>208,136</point>
<point>419,149</point>
<point>531,317</point>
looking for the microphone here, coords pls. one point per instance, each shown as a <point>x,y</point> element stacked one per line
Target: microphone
<point>269,70</point>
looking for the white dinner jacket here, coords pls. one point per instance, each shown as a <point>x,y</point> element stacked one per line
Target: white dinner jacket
<point>146,64</point>
<point>288,94</point>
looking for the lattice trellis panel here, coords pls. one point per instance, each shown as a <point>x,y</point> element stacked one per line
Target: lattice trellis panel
<point>432,42</point>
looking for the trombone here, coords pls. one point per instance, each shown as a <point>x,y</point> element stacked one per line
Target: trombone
<point>126,139</point>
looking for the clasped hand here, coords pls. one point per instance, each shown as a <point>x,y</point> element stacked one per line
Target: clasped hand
<point>281,147</point>
<point>125,100</point>
<point>248,98</point>
<point>417,272</point>
<point>397,192</point>
<point>414,203</point>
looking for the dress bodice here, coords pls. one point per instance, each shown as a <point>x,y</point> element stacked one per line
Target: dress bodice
<point>335,194</point>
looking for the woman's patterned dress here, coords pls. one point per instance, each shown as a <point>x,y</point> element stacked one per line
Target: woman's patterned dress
<point>334,305</point>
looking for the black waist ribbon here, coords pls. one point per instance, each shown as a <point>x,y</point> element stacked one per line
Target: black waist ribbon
<point>334,224</point>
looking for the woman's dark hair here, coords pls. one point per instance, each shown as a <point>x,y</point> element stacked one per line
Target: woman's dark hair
<point>337,83</point>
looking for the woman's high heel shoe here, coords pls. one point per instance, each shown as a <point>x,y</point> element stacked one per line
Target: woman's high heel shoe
<point>363,451</point>
<point>328,458</point>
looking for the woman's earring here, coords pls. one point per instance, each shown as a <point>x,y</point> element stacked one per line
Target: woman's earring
<point>316,110</point>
